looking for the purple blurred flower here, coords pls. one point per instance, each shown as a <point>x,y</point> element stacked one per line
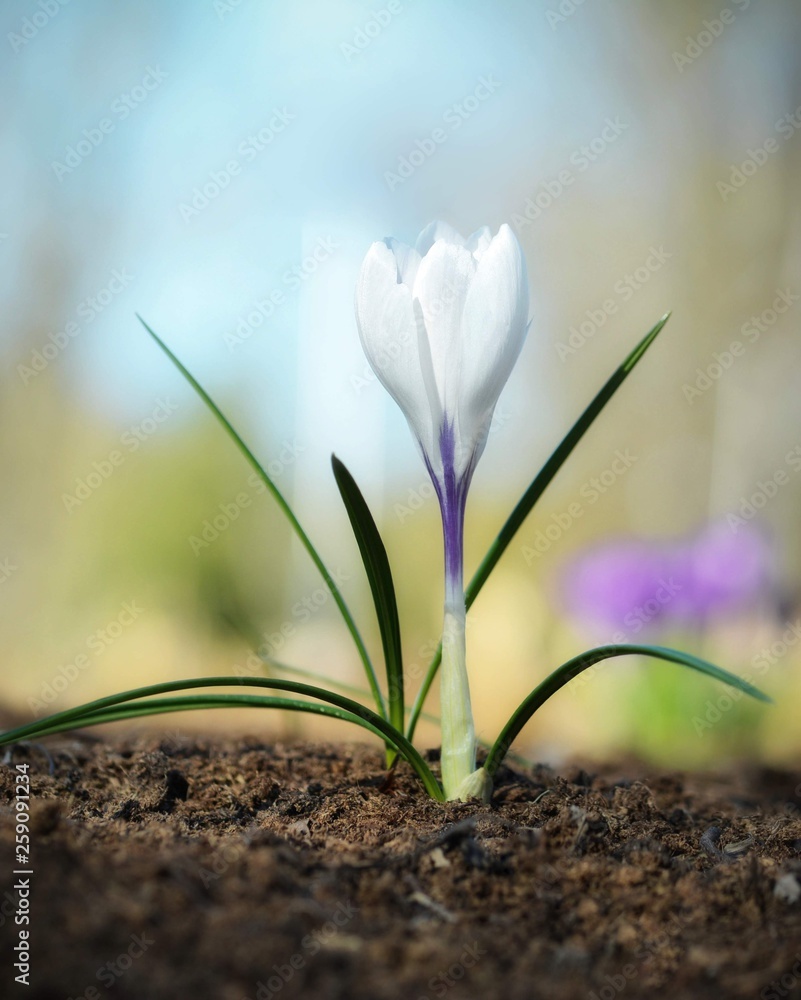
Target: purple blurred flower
<point>630,584</point>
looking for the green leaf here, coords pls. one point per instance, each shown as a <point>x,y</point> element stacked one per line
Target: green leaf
<point>538,486</point>
<point>160,706</point>
<point>286,668</point>
<point>279,499</point>
<point>379,574</point>
<point>94,712</point>
<point>331,682</point>
<point>573,667</point>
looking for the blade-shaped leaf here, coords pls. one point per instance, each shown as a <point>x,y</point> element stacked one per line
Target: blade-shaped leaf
<point>332,683</point>
<point>573,667</point>
<point>287,510</point>
<point>160,706</point>
<point>379,574</point>
<point>95,711</point>
<point>435,720</point>
<point>543,478</point>
<point>538,486</point>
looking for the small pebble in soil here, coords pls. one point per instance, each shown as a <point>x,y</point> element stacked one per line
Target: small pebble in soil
<point>787,888</point>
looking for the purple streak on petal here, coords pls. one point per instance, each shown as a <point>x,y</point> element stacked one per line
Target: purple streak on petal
<point>452,495</point>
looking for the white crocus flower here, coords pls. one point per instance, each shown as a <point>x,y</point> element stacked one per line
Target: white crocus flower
<point>442,325</point>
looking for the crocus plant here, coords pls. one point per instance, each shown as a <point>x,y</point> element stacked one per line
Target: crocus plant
<point>442,325</point>
<point>459,310</point>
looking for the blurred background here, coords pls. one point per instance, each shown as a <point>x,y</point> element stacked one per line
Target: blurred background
<point>220,168</point>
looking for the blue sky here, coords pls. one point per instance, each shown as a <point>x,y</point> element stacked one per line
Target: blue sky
<point>335,98</point>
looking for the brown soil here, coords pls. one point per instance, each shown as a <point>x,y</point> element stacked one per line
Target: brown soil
<point>197,868</point>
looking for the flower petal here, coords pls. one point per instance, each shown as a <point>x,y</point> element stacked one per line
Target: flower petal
<point>478,242</point>
<point>407,260</point>
<point>442,333</point>
<point>391,340</point>
<point>437,231</point>
<point>441,287</point>
<point>494,328</point>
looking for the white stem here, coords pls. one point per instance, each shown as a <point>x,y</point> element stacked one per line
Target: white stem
<point>458,760</point>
